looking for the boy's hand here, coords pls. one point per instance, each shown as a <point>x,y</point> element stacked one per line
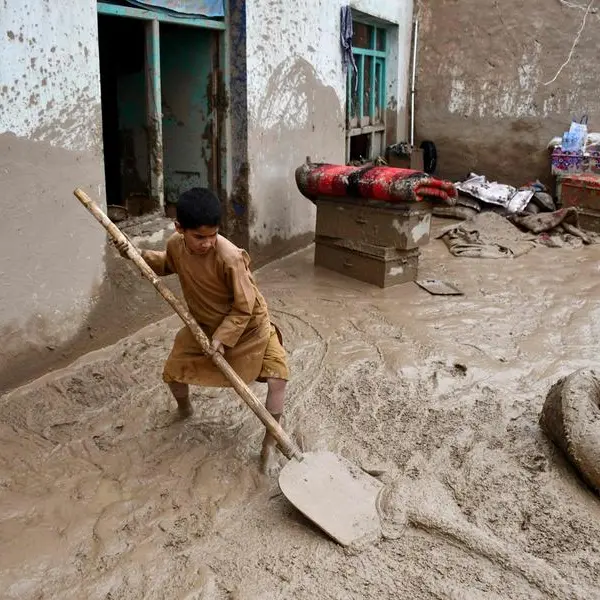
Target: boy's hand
<point>121,248</point>
<point>217,346</point>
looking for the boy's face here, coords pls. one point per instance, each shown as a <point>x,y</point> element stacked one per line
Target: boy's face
<point>199,241</point>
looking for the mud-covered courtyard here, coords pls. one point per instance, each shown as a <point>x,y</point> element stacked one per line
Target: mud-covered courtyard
<point>104,494</point>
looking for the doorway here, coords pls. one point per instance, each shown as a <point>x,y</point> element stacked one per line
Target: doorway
<point>188,62</point>
<point>123,88</point>
<point>160,121</point>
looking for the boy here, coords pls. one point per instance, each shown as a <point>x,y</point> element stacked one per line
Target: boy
<point>223,298</point>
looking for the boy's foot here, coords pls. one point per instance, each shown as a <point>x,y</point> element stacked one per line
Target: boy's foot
<point>268,457</point>
<point>185,408</point>
<point>269,463</point>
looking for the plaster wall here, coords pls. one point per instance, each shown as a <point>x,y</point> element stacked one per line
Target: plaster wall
<point>51,251</point>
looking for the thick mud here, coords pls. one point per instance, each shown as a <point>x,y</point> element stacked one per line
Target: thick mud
<point>104,494</point>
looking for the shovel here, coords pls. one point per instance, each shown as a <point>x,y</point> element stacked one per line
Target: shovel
<point>332,492</point>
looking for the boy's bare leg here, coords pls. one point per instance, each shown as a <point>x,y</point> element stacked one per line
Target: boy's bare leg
<point>275,400</point>
<point>181,393</point>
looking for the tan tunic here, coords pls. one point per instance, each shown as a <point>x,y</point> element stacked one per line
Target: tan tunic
<point>223,298</point>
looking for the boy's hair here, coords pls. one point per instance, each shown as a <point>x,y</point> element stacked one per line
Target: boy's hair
<point>198,207</point>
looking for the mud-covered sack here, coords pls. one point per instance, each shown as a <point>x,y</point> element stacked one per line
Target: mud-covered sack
<point>571,419</point>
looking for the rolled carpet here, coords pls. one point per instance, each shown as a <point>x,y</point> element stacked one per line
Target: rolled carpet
<point>571,419</point>
<point>386,184</point>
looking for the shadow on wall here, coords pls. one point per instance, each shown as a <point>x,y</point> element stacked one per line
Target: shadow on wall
<point>295,97</point>
<point>297,116</point>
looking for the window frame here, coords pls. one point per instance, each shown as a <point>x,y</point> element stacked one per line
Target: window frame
<point>370,124</point>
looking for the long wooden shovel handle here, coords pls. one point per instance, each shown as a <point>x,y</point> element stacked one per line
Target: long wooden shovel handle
<point>285,443</point>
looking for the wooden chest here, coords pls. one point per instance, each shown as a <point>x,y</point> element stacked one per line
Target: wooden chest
<point>377,265</point>
<point>589,220</point>
<point>400,226</point>
<point>581,191</point>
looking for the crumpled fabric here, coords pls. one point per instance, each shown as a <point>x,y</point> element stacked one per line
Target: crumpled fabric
<point>491,192</point>
<point>548,221</point>
<point>347,32</point>
<point>488,235</point>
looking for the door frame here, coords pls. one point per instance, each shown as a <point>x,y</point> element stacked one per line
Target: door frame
<point>220,83</point>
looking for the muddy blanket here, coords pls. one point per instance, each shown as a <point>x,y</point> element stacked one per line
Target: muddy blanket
<point>555,229</point>
<point>487,235</point>
<point>387,184</point>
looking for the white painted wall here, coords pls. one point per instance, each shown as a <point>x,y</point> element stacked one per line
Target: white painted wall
<point>51,251</point>
<point>297,100</point>
<point>50,67</point>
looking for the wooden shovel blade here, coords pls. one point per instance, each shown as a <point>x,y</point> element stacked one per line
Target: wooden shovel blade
<point>334,494</point>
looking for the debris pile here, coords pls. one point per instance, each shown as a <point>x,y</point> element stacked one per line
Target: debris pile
<point>571,419</point>
<point>531,208</point>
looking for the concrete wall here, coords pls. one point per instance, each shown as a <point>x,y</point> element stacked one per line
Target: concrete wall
<point>296,97</point>
<point>51,251</point>
<point>482,93</point>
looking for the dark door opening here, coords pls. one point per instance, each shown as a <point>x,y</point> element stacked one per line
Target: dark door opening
<point>123,87</point>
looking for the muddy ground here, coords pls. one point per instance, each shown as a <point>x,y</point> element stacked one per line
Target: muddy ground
<point>105,495</point>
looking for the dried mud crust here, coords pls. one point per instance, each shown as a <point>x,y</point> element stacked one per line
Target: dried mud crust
<point>106,495</point>
<point>571,418</point>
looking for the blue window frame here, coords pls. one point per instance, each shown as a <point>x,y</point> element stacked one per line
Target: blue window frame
<point>366,92</point>
<point>366,88</point>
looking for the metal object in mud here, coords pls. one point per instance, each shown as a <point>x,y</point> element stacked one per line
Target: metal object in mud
<point>117,213</point>
<point>335,494</point>
<point>438,288</point>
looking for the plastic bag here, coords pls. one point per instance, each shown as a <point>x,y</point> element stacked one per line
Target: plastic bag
<point>576,138</point>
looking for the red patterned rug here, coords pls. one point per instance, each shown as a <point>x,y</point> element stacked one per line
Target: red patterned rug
<point>387,184</point>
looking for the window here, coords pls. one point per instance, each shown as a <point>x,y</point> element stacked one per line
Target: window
<point>366,90</point>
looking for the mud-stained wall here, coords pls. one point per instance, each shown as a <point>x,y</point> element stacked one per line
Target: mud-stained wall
<point>296,94</point>
<point>485,91</point>
<point>51,252</point>
<point>236,126</point>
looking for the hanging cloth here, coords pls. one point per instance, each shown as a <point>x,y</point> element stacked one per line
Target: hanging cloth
<point>347,31</point>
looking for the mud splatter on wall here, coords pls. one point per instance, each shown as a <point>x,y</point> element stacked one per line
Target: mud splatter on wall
<point>51,254</point>
<point>482,93</point>
<point>296,97</point>
<point>237,155</point>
